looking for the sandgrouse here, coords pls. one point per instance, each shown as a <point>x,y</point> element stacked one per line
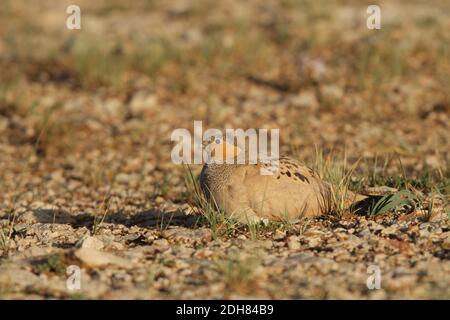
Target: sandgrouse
<point>241,191</point>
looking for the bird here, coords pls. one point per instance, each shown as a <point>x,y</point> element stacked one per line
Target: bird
<point>240,191</point>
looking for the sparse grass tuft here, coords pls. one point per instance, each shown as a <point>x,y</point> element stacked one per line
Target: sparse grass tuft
<point>238,271</point>
<point>426,180</point>
<point>339,175</point>
<point>259,230</point>
<point>96,67</point>
<point>100,218</point>
<point>7,230</point>
<point>402,200</point>
<point>77,296</point>
<point>54,263</point>
<point>161,188</point>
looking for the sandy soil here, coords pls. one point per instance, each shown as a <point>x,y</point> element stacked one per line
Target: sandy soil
<point>86,177</point>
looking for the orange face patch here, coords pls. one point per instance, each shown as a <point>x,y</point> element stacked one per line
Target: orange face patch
<point>224,151</point>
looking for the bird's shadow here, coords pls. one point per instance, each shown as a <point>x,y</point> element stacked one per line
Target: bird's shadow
<point>151,218</point>
<point>364,207</point>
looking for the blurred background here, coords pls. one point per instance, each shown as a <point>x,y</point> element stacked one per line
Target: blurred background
<point>86,115</point>
<point>104,99</point>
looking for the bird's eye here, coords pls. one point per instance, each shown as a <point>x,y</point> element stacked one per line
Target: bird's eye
<point>218,141</point>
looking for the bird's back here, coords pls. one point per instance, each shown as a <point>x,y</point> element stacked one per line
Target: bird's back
<point>294,190</point>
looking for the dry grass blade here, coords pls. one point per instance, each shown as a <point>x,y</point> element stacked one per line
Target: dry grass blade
<point>339,176</point>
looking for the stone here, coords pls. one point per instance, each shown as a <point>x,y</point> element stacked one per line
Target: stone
<point>18,277</point>
<point>306,99</point>
<point>279,235</point>
<point>293,243</point>
<point>379,191</point>
<point>95,258</point>
<point>143,101</point>
<point>390,231</point>
<point>90,243</point>
<point>161,245</point>
<point>364,233</point>
<point>332,92</point>
<point>187,235</point>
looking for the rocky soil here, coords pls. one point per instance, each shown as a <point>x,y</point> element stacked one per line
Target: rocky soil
<point>86,177</point>
<point>137,259</point>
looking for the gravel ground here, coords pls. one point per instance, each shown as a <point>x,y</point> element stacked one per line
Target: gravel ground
<point>137,257</point>
<point>85,171</point>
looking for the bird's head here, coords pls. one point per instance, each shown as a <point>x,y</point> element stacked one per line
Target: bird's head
<point>221,151</point>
